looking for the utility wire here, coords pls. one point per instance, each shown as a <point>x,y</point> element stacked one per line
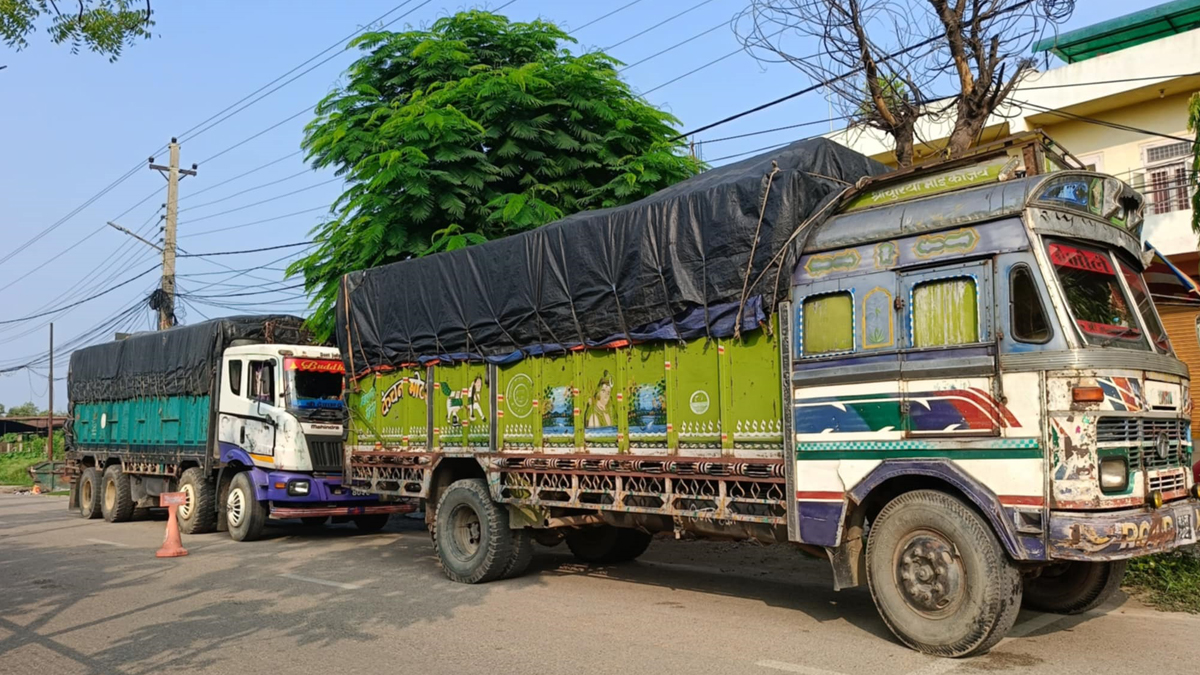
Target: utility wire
<point>252,223</point>
<point>243,175</point>
<point>605,16</point>
<point>249,250</point>
<point>674,46</point>
<point>256,135</point>
<point>264,201</point>
<point>80,302</point>
<point>306,171</point>
<point>714,62</point>
<point>1104,123</point>
<point>660,23</point>
<point>204,126</point>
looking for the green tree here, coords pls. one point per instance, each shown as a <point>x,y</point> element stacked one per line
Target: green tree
<point>473,129</point>
<point>27,409</point>
<point>102,26</point>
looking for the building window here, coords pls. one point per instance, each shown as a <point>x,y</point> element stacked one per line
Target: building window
<point>945,313</point>
<point>1166,177</point>
<point>1029,322</point>
<point>828,324</point>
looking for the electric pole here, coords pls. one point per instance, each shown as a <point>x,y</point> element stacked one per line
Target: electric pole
<point>50,407</point>
<point>172,172</point>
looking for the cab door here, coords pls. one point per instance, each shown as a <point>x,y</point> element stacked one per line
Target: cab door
<point>948,363</point>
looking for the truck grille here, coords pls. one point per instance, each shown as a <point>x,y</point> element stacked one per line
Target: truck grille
<point>1138,435</point>
<point>1174,481</point>
<point>326,455</point>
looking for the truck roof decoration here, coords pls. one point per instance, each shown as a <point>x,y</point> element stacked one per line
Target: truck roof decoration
<point>182,361</point>
<point>688,261</point>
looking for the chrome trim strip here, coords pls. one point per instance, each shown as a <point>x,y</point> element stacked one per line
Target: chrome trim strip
<point>1095,359</point>
<point>789,419</point>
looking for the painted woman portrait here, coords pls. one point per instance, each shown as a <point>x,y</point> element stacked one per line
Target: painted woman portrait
<point>598,412</point>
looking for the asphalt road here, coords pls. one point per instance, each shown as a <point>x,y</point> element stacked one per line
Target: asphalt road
<point>89,597</point>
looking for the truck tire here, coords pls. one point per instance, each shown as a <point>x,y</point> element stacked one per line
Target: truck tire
<point>116,499</point>
<point>522,554</point>
<point>939,577</point>
<point>245,515</point>
<point>1074,587</point>
<point>474,542</point>
<point>372,523</point>
<point>89,494</point>
<point>199,514</point>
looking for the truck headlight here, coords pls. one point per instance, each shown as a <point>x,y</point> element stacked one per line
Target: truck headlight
<point>1114,474</point>
<point>298,488</point>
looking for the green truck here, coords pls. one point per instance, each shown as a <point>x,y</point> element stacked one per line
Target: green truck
<point>951,383</point>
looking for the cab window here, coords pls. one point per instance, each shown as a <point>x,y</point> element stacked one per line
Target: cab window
<point>1099,305</point>
<point>235,377</point>
<point>262,381</point>
<point>828,324</point>
<point>945,312</point>
<point>1028,315</point>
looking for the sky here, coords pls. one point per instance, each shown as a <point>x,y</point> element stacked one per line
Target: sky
<point>75,124</point>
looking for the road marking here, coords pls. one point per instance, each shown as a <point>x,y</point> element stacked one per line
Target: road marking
<point>335,584</point>
<point>108,543</point>
<point>795,668</point>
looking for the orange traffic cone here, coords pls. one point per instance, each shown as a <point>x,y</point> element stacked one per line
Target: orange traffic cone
<point>172,544</point>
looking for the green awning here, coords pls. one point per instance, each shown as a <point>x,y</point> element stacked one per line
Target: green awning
<point>1123,32</point>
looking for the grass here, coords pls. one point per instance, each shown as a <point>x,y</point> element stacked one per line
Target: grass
<point>14,466</point>
<point>1168,581</point>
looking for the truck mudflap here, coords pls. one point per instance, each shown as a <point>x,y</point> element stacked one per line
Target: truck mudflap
<point>1123,534</point>
<point>308,512</point>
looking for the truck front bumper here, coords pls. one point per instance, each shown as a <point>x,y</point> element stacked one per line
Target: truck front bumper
<point>318,510</point>
<point>273,486</point>
<point>1117,535</point>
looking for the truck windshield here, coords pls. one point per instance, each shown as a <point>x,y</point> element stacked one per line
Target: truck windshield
<point>1099,305</point>
<point>1145,306</point>
<point>314,382</point>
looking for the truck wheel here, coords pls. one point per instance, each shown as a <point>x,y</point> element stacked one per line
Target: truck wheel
<point>116,500</point>
<point>522,554</point>
<point>474,542</point>
<point>940,579</point>
<point>372,523</point>
<point>245,515</point>
<point>631,544</point>
<point>89,494</point>
<point>199,513</point>
<point>1074,587</point>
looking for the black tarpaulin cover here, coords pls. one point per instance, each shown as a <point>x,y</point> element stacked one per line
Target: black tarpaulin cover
<point>182,361</point>
<point>599,275</point>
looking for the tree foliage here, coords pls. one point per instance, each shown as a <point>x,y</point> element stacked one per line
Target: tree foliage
<point>102,26</point>
<point>27,409</point>
<point>886,64</point>
<point>473,129</point>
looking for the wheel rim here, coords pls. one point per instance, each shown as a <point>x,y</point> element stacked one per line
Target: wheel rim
<point>185,509</point>
<point>86,494</point>
<point>466,532</point>
<point>235,507</point>
<point>929,573</point>
<point>110,494</point>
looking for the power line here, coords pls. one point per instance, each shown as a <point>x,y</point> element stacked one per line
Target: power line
<point>306,171</point>
<point>188,135</point>
<point>256,222</point>
<point>768,131</point>
<point>1104,123</point>
<point>242,175</point>
<point>674,46</point>
<point>660,23</point>
<point>239,295</point>
<point>249,250</point>
<point>264,201</point>
<point>256,135</point>
<point>80,302</point>
<point>714,62</point>
<point>605,16</point>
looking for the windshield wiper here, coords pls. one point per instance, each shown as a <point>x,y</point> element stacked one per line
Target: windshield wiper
<point>1118,335</point>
